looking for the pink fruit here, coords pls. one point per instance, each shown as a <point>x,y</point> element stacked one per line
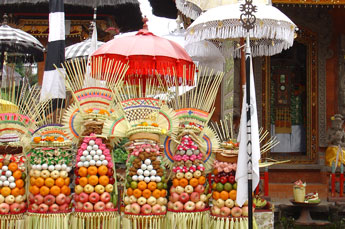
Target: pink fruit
<point>79,205</point>
<point>38,199</point>
<point>105,197</point>
<point>195,197</point>
<point>200,205</point>
<point>88,206</point>
<point>236,212</point>
<point>215,210</point>
<point>4,208</point>
<point>31,198</point>
<point>225,211</point>
<point>170,205</point>
<point>76,198</point>
<point>61,199</point>
<point>109,205</point>
<point>83,197</point>
<point>32,207</point>
<point>99,206</point>
<point>200,189</point>
<point>146,209</point>
<point>184,197</point>
<point>135,208</point>
<point>22,205</point>
<point>15,208</point>
<point>68,199</point>
<point>172,189</point>
<point>43,208</point>
<point>189,206</point>
<point>178,206</point>
<point>49,199</point>
<point>63,207</point>
<point>174,197</point>
<point>245,211</point>
<point>94,197</point>
<point>157,209</point>
<point>54,208</point>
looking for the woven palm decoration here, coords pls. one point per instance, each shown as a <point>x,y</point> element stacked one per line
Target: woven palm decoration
<point>17,120</point>
<point>190,153</point>
<point>95,199</point>
<point>143,116</point>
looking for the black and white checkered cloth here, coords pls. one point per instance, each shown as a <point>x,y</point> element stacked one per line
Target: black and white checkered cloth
<point>80,49</point>
<point>17,41</point>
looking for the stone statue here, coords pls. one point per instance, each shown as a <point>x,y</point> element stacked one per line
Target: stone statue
<point>335,138</point>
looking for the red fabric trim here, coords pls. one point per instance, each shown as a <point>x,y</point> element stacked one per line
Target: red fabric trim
<point>11,213</point>
<point>206,209</point>
<point>128,213</point>
<point>57,212</point>
<point>219,216</point>
<point>108,210</point>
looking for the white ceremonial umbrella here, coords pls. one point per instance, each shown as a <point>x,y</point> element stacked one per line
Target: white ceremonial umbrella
<point>267,31</point>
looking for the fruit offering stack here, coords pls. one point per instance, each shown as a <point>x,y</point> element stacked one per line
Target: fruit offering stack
<point>95,176</point>
<point>224,191</point>
<point>49,188</point>
<point>146,184</point>
<point>188,190</point>
<point>12,184</point>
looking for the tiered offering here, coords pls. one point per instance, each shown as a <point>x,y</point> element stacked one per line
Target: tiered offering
<point>95,180</point>
<point>191,158</point>
<point>143,121</point>
<point>50,170</point>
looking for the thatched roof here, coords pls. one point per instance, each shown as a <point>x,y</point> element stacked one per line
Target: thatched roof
<point>127,16</point>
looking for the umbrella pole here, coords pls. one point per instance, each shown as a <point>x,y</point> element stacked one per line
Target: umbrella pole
<point>249,143</point>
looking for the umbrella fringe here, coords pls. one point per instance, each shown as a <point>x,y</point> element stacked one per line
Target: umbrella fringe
<point>187,8</point>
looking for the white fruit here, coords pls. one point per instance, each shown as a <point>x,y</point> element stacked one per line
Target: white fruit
<point>95,147</point>
<point>4,168</point>
<point>3,178</point>
<point>89,148</point>
<point>148,162</point>
<point>88,157</point>
<point>80,164</point>
<point>91,142</point>
<point>104,162</point>
<point>143,166</point>
<point>99,152</point>
<point>12,185</point>
<point>86,164</point>
<point>141,178</point>
<point>1,183</point>
<point>68,169</point>
<point>149,167</point>
<point>63,166</point>
<point>6,183</point>
<point>92,152</point>
<point>92,162</point>
<point>96,157</point>
<point>147,179</point>
<point>11,179</point>
<point>102,157</point>
<point>8,173</point>
<point>140,172</point>
<point>98,163</point>
<point>51,168</point>
<point>153,178</point>
<point>44,166</point>
<point>158,179</point>
<point>38,167</point>
<point>153,172</point>
<point>58,167</point>
<point>135,177</point>
<point>85,153</point>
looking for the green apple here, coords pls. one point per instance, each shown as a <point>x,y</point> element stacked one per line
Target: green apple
<point>220,187</point>
<point>134,184</point>
<point>160,185</point>
<point>128,185</point>
<point>227,187</point>
<point>165,185</point>
<point>234,186</point>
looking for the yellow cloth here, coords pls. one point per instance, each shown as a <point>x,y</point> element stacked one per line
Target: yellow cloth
<point>331,155</point>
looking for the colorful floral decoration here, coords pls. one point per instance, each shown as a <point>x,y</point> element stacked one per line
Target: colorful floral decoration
<point>144,121</point>
<point>50,170</point>
<point>95,198</point>
<point>16,123</point>
<point>191,158</point>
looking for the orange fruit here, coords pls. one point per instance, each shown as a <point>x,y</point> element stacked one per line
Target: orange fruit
<point>34,189</point>
<point>17,174</point>
<point>60,182</point>
<point>92,170</point>
<point>142,185</point>
<point>67,181</point>
<point>39,182</point>
<point>202,180</point>
<point>152,186</point>
<point>32,180</point>
<point>232,194</point>
<point>93,180</point>
<point>194,182</point>
<point>20,183</point>
<point>156,193</point>
<point>12,166</point>
<point>65,190</point>
<point>103,180</point>
<point>137,193</point>
<point>224,195</point>
<point>83,181</point>
<point>22,191</point>
<point>163,193</point>
<point>15,191</point>
<point>129,191</point>
<point>102,170</point>
<point>49,182</point>
<point>146,193</point>
<point>44,190</point>
<point>183,182</point>
<point>215,172</point>
<point>82,171</point>
<point>5,191</point>
<point>0,165</point>
<point>215,195</point>
<point>175,182</point>
<point>55,190</point>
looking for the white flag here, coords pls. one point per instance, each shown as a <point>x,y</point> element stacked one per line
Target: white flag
<point>89,81</point>
<point>242,162</point>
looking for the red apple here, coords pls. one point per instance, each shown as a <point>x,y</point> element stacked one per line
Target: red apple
<point>232,179</point>
<point>15,208</point>
<point>88,206</point>
<point>110,172</point>
<point>111,180</point>
<point>64,207</point>
<point>170,205</point>
<point>109,206</point>
<point>184,197</point>
<point>174,197</point>
<point>200,205</point>
<point>32,207</point>
<point>79,205</point>
<point>195,197</point>
<point>236,212</point>
<point>38,199</point>
<point>157,209</point>
<point>189,206</point>
<point>68,199</point>
<point>223,180</point>
<point>146,209</point>
<point>94,197</point>
<point>49,199</point>
<point>200,189</point>
<point>105,197</point>
<point>4,208</point>
<point>225,211</point>
<point>54,208</point>
<point>83,197</point>
<point>178,206</point>
<point>43,208</point>
<point>61,199</point>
